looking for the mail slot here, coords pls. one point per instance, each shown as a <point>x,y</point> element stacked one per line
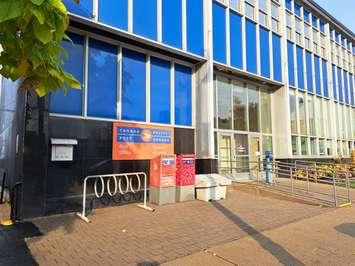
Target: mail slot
<point>62,149</point>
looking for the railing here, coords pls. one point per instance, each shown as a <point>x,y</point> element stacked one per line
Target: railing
<point>298,180</point>
<point>14,199</point>
<point>116,179</point>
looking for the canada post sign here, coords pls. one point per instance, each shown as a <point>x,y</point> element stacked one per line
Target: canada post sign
<point>141,142</point>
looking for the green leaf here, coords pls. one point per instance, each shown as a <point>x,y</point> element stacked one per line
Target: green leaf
<point>41,90</point>
<point>58,4</point>
<point>42,32</point>
<point>10,9</point>
<point>37,2</point>
<point>71,81</point>
<point>38,13</point>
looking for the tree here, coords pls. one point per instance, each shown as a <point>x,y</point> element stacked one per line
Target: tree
<point>31,32</point>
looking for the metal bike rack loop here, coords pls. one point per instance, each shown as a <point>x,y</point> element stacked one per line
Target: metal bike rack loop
<point>117,180</point>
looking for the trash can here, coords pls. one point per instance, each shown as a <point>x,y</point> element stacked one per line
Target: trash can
<point>185,177</point>
<point>162,179</point>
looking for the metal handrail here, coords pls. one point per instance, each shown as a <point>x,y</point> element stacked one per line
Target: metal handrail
<point>117,179</point>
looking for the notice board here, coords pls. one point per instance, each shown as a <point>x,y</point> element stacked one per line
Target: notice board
<point>131,141</point>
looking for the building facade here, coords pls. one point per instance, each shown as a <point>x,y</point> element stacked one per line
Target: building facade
<point>232,78</point>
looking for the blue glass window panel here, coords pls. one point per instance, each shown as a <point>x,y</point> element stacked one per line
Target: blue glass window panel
<point>352,96</point>
<point>71,103</point>
<point>325,78</point>
<point>159,91</point>
<point>340,86</point>
<point>102,91</point>
<point>317,75</point>
<point>84,8</point>
<point>309,71</point>
<point>264,53</point>
<point>337,37</point>
<point>346,87</point>
<point>219,33</point>
<point>297,9</point>
<point>291,64</point>
<point>306,15</point>
<point>335,94</point>
<point>171,20</point>
<point>288,4</point>
<point>314,21</point>
<point>183,95</point>
<point>300,69</point>
<point>109,10</point>
<point>133,86</point>
<point>251,45</point>
<point>276,52</point>
<point>145,18</point>
<point>194,26</point>
<point>321,26</point>
<point>236,43</point>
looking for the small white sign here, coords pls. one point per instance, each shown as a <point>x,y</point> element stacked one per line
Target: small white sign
<point>62,152</point>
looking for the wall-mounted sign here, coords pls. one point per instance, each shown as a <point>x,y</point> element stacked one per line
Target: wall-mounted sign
<point>141,142</point>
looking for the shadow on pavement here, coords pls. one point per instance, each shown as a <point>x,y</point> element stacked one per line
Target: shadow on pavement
<point>347,229</point>
<point>13,248</point>
<point>281,254</point>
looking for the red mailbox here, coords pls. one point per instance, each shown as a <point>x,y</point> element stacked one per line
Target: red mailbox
<point>163,171</point>
<point>185,172</point>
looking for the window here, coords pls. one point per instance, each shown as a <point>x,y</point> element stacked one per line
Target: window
<point>293,116</point>
<point>145,18</point>
<point>133,85</point>
<point>183,95</point>
<point>276,51</point>
<point>160,91</point>
<point>306,16</point>
<point>304,145</point>
<point>319,117</point>
<point>240,106</point>
<point>249,9</point>
<point>298,27</point>
<point>329,148</point>
<point>224,104</point>
<point>264,52</point>
<point>265,112</point>
<point>313,146</point>
<point>298,10</point>
<point>250,29</point>
<point>108,10</point>
<point>194,26</point>
<point>171,22</point>
<point>302,113</point>
<point>315,41</point>
<point>294,140</point>
<point>288,4</point>
<point>253,108</point>
<point>310,108</point>
<point>263,11</point>
<point>322,150</point>
<point>267,143</point>
<point>102,91</point>
<point>314,21</point>
<point>289,26</point>
<point>219,32</point>
<point>275,17</point>
<point>71,103</point>
<point>307,35</point>
<point>234,4</point>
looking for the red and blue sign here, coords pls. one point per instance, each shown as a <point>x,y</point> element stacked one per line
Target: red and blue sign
<point>141,142</point>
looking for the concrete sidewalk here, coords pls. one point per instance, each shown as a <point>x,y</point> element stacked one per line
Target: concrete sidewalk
<point>326,239</point>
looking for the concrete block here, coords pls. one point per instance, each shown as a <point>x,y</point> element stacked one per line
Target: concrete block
<point>161,196</point>
<point>185,193</point>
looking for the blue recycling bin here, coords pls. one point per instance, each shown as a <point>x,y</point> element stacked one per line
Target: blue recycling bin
<point>268,166</point>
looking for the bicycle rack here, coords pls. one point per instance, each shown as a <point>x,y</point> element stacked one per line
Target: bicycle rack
<point>117,188</point>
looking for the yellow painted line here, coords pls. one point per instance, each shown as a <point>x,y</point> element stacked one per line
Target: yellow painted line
<point>345,204</point>
<point>6,223</point>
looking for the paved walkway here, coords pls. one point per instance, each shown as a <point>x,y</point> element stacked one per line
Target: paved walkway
<point>130,235</point>
<point>327,239</point>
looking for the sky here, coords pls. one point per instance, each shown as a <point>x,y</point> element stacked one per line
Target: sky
<point>342,10</point>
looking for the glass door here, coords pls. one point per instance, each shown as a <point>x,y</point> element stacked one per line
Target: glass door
<point>225,153</point>
<point>254,154</point>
